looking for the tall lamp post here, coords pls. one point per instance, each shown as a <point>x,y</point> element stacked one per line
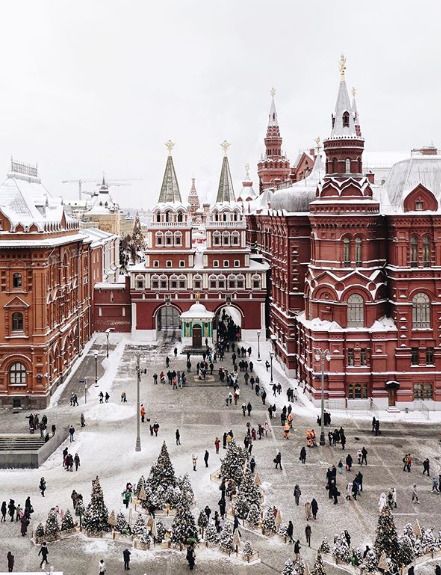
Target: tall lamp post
<point>138,403</point>
<point>258,345</point>
<point>95,355</point>
<point>107,332</point>
<point>322,355</point>
<point>271,360</point>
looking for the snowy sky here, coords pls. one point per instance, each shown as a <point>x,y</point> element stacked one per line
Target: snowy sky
<point>100,85</point>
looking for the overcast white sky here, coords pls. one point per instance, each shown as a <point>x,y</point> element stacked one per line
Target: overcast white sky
<point>100,85</point>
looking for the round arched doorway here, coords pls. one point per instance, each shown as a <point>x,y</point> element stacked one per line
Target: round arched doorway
<point>167,318</point>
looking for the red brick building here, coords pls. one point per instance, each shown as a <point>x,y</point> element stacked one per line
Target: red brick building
<point>354,272</point>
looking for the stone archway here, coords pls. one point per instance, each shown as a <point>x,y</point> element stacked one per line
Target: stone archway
<point>168,318</point>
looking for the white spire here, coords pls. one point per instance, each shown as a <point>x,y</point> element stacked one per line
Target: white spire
<point>272,120</point>
<point>343,123</point>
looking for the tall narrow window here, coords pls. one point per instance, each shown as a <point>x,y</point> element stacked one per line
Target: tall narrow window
<point>16,280</point>
<point>358,251</point>
<point>351,357</point>
<point>429,356</point>
<point>355,311</point>
<point>347,166</point>
<point>413,252</point>
<point>363,356</point>
<point>345,119</point>
<point>426,251</point>
<point>17,321</point>
<point>421,311</point>
<point>346,252</point>
<point>414,356</point>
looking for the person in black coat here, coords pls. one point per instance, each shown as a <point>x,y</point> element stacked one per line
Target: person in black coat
<point>303,455</point>
<point>126,557</point>
<point>191,557</point>
<point>297,549</point>
<point>11,509</point>
<point>314,508</point>
<point>4,511</point>
<point>11,560</point>
<point>290,531</point>
<point>437,570</point>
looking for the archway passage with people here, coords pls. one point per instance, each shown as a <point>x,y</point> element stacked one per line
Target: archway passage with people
<point>228,321</point>
<point>167,318</point>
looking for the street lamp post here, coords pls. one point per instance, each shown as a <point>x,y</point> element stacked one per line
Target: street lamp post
<point>258,345</point>
<point>271,360</point>
<point>107,332</point>
<point>138,406</point>
<point>96,367</point>
<point>85,389</point>
<point>322,355</point>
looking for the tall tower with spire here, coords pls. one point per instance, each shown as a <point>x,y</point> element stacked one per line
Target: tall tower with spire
<point>193,199</point>
<point>274,168</point>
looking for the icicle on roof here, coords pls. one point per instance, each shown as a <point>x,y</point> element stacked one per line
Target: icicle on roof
<point>272,121</point>
<point>170,188</point>
<point>225,192</point>
<point>343,119</point>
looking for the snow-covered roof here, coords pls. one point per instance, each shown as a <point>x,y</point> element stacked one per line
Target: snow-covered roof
<point>406,175</point>
<point>381,325</point>
<point>197,311</point>
<point>97,236</point>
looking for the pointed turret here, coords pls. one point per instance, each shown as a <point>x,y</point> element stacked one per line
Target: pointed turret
<point>193,198</point>
<point>343,123</point>
<point>247,193</point>
<point>355,113</point>
<point>170,189</point>
<point>225,192</point>
<point>272,121</point>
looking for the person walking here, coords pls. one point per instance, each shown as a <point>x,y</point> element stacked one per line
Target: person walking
<point>42,486</point>
<point>3,511</point>
<point>435,485</point>
<point>314,508</point>
<point>11,560</point>
<point>308,534</point>
<point>308,511</point>
<point>364,456</point>
<point>82,420</point>
<point>178,437</point>
<point>348,462</point>
<point>71,433</point>
<point>249,408</point>
<point>278,460</point>
<point>191,557</point>
<point>194,460</point>
<point>217,445</point>
<point>142,412</point>
<point>426,467</point>
<point>303,455</point>
<point>297,494</point>
<point>206,456</point>
<point>297,550</point>
<point>77,461</point>
<point>126,557</point>
<point>44,552</point>
<point>415,494</point>
<point>101,567</point>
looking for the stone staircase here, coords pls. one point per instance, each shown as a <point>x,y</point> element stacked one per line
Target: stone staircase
<point>24,442</point>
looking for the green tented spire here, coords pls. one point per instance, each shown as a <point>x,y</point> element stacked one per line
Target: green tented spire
<point>225,192</point>
<point>170,188</point>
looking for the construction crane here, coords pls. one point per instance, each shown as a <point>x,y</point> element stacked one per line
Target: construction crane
<point>80,183</point>
<point>108,183</point>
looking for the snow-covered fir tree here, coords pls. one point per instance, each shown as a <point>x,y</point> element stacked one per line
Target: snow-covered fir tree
<point>139,485</point>
<point>186,489</point>
<point>226,539</point>
<point>121,524</point>
<point>428,540</point>
<point>356,556</point>
<point>160,532</point>
<point>247,551</point>
<point>248,494</point>
<point>386,536</point>
<point>340,550</point>
<point>184,526</point>
<point>319,568</point>
<point>233,463</point>
<point>137,240</point>
<point>211,535</point>
<point>406,552</point>
<point>157,497</point>
<point>139,526</point>
<point>52,527</point>
<point>112,519</point>
<point>173,496</point>
<point>370,562</point>
<point>324,546</point>
<point>96,516</point>
<point>162,473</point>
<point>299,567</point>
<point>254,515</point>
<point>67,522</point>
<point>288,568</point>
<point>39,531</point>
<point>202,522</point>
<point>79,508</point>
<point>144,537</point>
<point>269,523</point>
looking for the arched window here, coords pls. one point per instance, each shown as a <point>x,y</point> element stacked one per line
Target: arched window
<point>345,119</point>
<point>346,252</point>
<point>235,238</point>
<point>256,281</point>
<point>355,311</point>
<point>16,280</point>
<point>240,281</point>
<point>155,282</point>
<point>163,282</point>
<point>182,282</point>
<point>212,282</point>
<point>180,217</point>
<point>168,238</point>
<point>197,282</point>
<point>426,251</point>
<point>231,282</point>
<point>221,281</point>
<point>358,251</point>
<point>216,238</point>
<point>167,216</point>
<point>421,311</point>
<point>158,217</point>
<point>225,239</point>
<point>17,321</point>
<point>173,281</point>
<point>347,166</point>
<point>178,238</point>
<point>17,374</point>
<point>413,252</point>
<point>159,238</point>
<point>139,282</point>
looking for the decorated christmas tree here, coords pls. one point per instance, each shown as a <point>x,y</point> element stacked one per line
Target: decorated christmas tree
<point>211,535</point>
<point>186,489</point>
<point>173,496</point>
<point>356,557</point>
<point>184,526</point>
<point>140,485</point>
<point>299,567</point>
<point>79,508</point>
<point>324,546</point>
<point>340,550</point>
<point>288,569</point>
<point>226,539</point>
<point>67,522</point>
<point>248,495</point>
<point>370,562</point>
<point>248,551</point>
<point>139,526</point>
<point>386,537</point>
<point>39,532</point>
<point>319,568</point>
<point>137,241</point>
<point>160,532</point>
<point>234,462</point>
<point>96,516</point>
<point>162,474</point>
<point>144,537</point>
<point>121,524</point>
<point>269,524</point>
<point>112,519</point>
<point>428,540</point>
<point>52,528</point>
<point>202,522</point>
<point>254,515</point>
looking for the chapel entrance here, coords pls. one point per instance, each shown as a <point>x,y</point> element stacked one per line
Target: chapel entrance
<point>197,336</point>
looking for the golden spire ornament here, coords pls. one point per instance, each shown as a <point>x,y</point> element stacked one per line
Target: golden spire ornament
<point>225,145</point>
<point>342,67</point>
<point>169,145</point>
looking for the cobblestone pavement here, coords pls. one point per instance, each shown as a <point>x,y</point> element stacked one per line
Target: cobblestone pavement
<point>106,447</point>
